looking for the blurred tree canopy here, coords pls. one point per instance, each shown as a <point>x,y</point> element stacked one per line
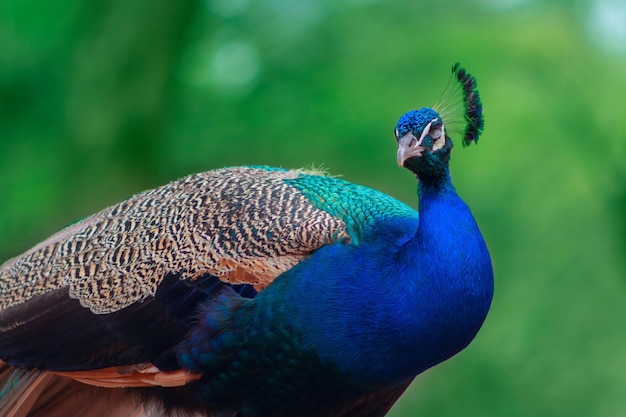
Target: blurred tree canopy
<point>100,100</point>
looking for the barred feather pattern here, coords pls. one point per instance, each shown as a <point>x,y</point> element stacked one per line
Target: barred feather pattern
<point>218,222</point>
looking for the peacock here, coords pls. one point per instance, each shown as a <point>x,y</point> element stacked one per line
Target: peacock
<point>252,291</point>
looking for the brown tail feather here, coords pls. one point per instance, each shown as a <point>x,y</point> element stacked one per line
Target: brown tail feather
<point>43,394</point>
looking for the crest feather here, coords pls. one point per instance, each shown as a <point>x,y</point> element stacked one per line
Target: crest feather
<point>448,106</point>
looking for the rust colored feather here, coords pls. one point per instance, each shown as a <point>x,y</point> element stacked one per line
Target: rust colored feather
<point>44,394</point>
<point>140,375</point>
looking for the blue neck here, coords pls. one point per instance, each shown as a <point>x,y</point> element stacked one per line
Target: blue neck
<point>442,215</point>
<point>411,297</point>
<point>447,286</point>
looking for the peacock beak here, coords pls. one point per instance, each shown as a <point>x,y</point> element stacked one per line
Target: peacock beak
<point>408,147</point>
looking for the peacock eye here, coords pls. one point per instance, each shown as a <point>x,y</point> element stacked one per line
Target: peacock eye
<point>435,133</point>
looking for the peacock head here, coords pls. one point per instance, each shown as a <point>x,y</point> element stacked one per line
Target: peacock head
<point>423,144</point>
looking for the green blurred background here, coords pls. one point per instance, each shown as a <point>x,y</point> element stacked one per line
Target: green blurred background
<point>100,100</point>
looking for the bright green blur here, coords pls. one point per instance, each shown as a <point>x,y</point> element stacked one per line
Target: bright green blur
<point>100,100</point>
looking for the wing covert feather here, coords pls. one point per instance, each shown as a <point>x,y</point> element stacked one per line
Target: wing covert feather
<point>242,225</point>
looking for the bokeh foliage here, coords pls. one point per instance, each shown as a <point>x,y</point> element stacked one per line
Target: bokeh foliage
<point>99,100</point>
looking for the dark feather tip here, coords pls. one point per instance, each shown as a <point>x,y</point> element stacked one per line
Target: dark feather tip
<point>473,106</point>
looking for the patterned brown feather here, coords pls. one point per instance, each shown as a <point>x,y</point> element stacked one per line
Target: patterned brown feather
<point>219,222</point>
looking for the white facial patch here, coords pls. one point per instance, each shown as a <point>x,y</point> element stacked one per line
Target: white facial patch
<point>438,133</point>
<point>425,132</point>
